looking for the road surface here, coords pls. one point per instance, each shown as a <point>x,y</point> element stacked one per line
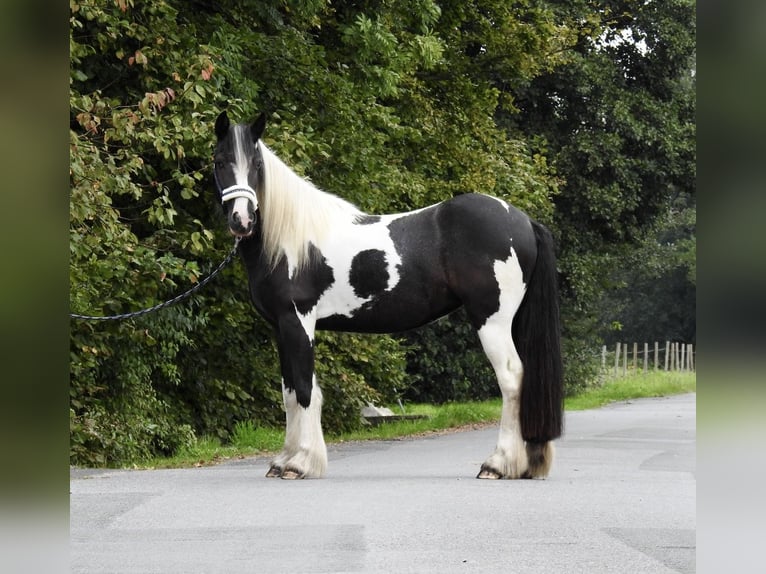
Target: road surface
<point>621,498</point>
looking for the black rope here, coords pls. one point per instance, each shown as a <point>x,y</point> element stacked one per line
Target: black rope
<point>173,301</point>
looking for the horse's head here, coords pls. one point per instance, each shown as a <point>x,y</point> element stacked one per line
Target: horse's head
<point>237,169</point>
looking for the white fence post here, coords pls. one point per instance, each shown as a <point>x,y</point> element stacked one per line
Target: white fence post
<point>690,357</point>
<point>646,357</point>
<point>625,360</point>
<point>673,356</point>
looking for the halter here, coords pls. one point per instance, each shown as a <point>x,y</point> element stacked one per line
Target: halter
<point>237,190</point>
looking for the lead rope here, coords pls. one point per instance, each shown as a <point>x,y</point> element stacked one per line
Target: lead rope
<point>172,301</point>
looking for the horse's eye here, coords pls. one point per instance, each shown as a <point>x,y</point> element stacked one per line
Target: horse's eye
<point>218,164</point>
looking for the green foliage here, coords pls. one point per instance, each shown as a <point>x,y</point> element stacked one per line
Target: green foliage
<point>116,414</point>
<point>393,105</point>
<point>583,365</point>
<point>448,363</point>
<point>135,170</point>
<point>356,370</point>
<point>655,294</point>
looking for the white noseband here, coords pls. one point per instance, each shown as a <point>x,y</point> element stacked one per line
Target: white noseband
<point>236,190</point>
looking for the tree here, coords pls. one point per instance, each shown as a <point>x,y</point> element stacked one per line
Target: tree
<point>656,295</point>
<point>617,122</point>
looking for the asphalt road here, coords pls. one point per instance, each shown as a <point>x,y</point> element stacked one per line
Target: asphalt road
<point>621,498</point>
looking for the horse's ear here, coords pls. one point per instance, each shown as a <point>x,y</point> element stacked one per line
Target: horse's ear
<point>222,125</point>
<point>257,127</point>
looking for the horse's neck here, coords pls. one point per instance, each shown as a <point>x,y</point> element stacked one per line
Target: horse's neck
<point>251,248</point>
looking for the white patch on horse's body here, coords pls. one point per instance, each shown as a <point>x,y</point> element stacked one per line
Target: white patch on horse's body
<point>308,322</point>
<point>510,279</point>
<point>510,455</point>
<point>339,251</point>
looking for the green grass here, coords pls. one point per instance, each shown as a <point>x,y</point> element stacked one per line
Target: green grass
<point>634,386</point>
<point>249,440</point>
<point>439,417</point>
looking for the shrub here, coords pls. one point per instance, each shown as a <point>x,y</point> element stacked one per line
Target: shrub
<point>446,363</point>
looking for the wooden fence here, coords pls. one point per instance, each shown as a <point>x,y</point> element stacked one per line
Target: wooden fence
<point>673,357</point>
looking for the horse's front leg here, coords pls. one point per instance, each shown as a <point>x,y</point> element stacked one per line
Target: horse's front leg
<point>304,453</point>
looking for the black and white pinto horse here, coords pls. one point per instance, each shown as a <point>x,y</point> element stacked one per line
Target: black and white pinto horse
<point>315,261</point>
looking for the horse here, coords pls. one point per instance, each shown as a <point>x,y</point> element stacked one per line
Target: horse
<point>315,261</point>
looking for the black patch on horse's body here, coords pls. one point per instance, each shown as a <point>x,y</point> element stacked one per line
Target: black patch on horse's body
<point>273,292</point>
<point>369,273</point>
<point>297,368</point>
<point>462,238</point>
<point>311,282</point>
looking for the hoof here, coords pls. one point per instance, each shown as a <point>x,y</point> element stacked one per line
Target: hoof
<point>487,473</point>
<point>274,472</point>
<point>292,474</point>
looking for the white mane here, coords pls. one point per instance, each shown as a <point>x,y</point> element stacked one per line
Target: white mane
<point>295,213</point>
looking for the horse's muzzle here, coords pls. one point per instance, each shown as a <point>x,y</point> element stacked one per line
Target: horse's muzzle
<point>243,226</point>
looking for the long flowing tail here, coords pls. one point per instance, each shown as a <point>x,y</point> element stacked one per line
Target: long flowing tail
<point>537,336</point>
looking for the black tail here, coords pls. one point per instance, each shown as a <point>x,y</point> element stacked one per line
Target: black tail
<point>537,336</point>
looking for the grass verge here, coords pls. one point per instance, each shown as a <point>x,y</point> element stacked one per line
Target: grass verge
<point>248,440</point>
<point>634,386</point>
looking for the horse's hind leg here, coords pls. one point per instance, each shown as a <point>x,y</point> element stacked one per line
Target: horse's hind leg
<point>513,458</point>
<point>510,458</point>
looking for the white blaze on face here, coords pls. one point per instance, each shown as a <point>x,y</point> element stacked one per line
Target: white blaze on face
<point>240,207</point>
<point>241,173</point>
